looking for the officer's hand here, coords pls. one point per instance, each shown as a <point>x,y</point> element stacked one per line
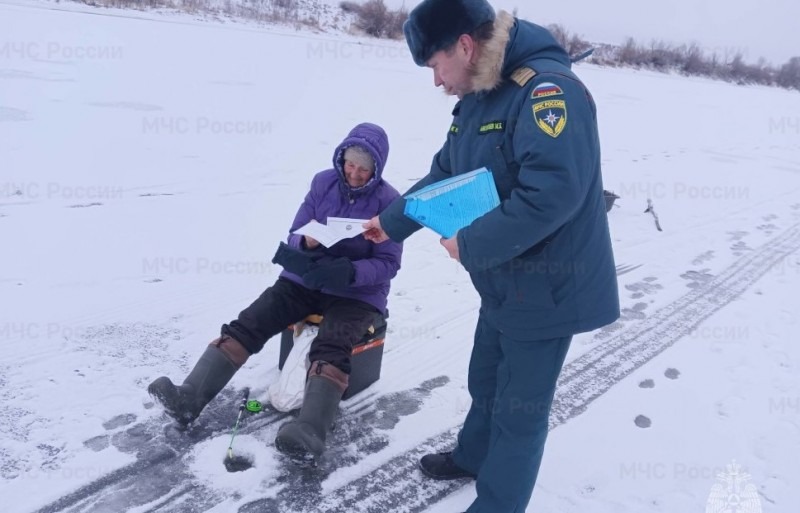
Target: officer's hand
<point>374,232</point>
<point>331,274</point>
<point>451,245</point>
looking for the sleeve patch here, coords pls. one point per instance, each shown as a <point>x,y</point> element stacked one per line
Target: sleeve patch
<point>546,89</point>
<point>551,116</point>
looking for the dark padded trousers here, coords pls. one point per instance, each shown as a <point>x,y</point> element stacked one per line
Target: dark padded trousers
<point>512,383</point>
<point>345,321</point>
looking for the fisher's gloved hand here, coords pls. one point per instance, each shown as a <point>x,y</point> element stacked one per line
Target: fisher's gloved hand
<point>331,274</point>
<point>295,260</point>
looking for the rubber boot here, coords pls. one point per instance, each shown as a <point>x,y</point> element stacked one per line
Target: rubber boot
<point>220,361</point>
<point>304,438</point>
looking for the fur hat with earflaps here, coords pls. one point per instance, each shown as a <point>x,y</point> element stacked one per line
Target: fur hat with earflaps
<point>435,25</point>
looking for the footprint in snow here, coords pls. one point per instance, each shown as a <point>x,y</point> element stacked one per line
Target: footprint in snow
<point>51,456</point>
<point>740,247</point>
<point>98,443</point>
<point>636,312</point>
<point>737,235</point>
<point>10,465</point>
<point>608,331</point>
<point>697,278</point>
<point>647,383</point>
<point>642,421</point>
<point>703,257</point>
<point>767,228</point>
<point>647,286</point>
<point>672,373</point>
<point>119,421</point>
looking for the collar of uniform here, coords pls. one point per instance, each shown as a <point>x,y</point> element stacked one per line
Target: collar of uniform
<point>489,67</point>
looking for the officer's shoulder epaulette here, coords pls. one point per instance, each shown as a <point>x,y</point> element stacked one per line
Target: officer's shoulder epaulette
<point>523,75</point>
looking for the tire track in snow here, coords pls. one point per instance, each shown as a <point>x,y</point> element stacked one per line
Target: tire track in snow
<point>596,371</point>
<point>398,486</point>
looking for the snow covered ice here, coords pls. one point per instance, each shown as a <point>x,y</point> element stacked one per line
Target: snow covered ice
<point>151,163</point>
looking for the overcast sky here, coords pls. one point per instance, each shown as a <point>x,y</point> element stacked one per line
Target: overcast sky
<point>767,28</point>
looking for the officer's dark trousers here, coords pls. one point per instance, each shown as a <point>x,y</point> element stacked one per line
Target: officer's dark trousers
<point>344,322</point>
<point>512,384</point>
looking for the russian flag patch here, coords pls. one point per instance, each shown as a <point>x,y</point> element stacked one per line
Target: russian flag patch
<point>546,89</point>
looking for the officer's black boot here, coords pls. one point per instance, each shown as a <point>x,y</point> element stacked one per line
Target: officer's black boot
<point>304,438</point>
<point>442,467</point>
<point>220,361</point>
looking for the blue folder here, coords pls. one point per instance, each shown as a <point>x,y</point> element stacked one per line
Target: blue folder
<point>449,205</point>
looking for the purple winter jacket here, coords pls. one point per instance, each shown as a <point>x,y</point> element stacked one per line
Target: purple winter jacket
<point>330,195</point>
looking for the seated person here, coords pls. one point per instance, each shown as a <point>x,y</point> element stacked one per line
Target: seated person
<point>348,284</point>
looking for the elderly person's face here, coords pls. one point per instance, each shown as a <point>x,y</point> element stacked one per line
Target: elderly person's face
<point>356,175</point>
<point>452,68</point>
